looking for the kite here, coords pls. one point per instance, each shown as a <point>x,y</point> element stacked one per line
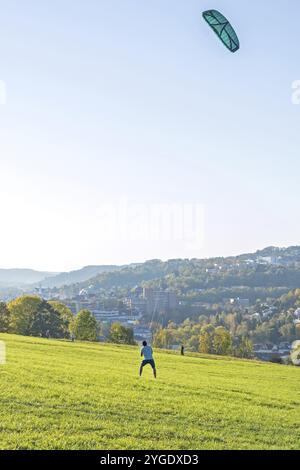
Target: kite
<point>223,29</point>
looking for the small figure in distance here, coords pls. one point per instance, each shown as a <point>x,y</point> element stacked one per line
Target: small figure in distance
<point>147,354</point>
<point>182,350</point>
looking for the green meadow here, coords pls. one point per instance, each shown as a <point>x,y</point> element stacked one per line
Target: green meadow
<point>61,395</point>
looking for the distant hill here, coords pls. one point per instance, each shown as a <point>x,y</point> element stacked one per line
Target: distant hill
<point>178,273</point>
<point>290,254</point>
<point>22,277</point>
<point>271,267</point>
<point>135,274</point>
<point>74,277</point>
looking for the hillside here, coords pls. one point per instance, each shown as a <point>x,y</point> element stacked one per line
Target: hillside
<point>22,277</point>
<point>73,277</point>
<point>282,270</point>
<point>59,395</point>
<point>269,268</point>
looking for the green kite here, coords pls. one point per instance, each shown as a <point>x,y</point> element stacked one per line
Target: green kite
<point>223,29</point>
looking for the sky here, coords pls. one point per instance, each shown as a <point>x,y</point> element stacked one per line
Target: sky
<point>117,109</point>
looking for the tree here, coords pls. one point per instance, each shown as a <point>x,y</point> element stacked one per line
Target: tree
<point>194,343</point>
<point>33,316</point>
<point>66,316</point>
<point>119,334</point>
<point>163,339</point>
<point>222,342</point>
<point>4,318</point>
<point>85,326</point>
<point>242,330</point>
<point>46,321</point>
<point>245,349</point>
<point>231,322</point>
<point>22,311</point>
<point>205,342</point>
<point>288,331</point>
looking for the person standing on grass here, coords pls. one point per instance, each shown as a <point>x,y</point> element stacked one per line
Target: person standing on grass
<point>182,350</point>
<point>147,354</point>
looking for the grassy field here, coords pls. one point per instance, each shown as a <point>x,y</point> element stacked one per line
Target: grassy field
<point>59,395</point>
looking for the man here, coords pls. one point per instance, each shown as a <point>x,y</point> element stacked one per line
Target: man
<point>147,354</point>
<point>182,350</point>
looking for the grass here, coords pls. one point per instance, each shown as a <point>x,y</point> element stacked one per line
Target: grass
<point>59,395</point>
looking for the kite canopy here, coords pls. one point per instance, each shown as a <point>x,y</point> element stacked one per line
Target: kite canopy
<point>223,29</point>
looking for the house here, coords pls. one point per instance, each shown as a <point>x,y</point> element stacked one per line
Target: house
<point>241,303</point>
<point>297,313</point>
<point>211,270</point>
<point>255,316</point>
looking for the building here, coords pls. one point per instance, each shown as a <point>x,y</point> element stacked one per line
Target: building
<point>240,303</point>
<point>136,304</point>
<point>211,271</point>
<point>159,300</point>
<point>113,316</point>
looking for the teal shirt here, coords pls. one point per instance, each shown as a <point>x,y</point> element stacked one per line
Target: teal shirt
<point>147,352</point>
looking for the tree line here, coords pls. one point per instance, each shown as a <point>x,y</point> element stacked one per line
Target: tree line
<point>203,338</point>
<point>32,316</point>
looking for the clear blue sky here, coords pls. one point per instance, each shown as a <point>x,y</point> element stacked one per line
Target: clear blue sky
<point>112,99</point>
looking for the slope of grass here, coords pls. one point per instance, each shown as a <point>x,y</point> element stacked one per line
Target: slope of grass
<point>59,395</point>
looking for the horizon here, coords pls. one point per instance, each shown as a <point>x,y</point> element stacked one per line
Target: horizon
<point>128,132</point>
